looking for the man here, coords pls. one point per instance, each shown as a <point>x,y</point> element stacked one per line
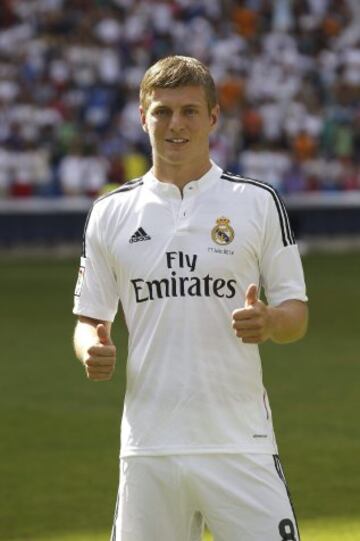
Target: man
<point>185,249</point>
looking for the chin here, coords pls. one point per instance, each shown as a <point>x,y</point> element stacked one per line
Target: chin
<point>175,159</point>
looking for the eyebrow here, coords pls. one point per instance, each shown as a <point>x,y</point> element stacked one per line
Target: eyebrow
<point>165,106</point>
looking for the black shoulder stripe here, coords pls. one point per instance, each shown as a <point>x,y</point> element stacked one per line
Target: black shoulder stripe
<point>286,231</point>
<point>127,187</point>
<point>290,232</point>
<point>83,254</point>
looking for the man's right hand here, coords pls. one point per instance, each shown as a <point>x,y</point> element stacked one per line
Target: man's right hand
<point>100,358</point>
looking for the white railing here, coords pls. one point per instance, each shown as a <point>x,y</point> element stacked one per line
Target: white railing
<point>41,205</point>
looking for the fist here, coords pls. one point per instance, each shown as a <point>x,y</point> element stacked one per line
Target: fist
<point>101,357</point>
<point>252,323</point>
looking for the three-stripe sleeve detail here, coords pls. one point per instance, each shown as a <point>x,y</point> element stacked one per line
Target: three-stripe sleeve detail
<point>125,188</point>
<point>286,231</point>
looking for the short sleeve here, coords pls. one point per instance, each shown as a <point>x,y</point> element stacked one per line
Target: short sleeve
<point>96,292</point>
<point>281,269</point>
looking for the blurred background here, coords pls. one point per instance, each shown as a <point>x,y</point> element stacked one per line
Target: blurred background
<point>288,77</point>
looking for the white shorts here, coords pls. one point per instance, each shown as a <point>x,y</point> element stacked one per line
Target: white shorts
<point>242,497</point>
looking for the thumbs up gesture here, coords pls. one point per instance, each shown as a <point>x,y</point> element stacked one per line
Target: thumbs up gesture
<point>101,356</point>
<point>252,323</point>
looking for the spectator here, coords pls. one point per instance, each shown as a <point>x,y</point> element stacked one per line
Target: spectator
<point>288,75</point>
<point>82,171</point>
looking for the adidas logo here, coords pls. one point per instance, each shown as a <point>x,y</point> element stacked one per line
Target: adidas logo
<point>139,235</point>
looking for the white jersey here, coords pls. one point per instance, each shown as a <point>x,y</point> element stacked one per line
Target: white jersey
<point>180,265</point>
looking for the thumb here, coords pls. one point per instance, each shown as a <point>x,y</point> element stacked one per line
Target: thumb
<point>251,296</point>
<point>103,335</point>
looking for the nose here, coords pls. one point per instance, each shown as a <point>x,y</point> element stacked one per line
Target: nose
<point>176,121</point>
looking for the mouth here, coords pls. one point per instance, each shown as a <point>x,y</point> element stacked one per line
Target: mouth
<point>177,141</point>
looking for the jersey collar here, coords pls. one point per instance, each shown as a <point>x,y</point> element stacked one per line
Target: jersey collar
<point>195,186</point>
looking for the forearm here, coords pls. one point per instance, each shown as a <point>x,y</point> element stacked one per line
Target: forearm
<point>288,321</point>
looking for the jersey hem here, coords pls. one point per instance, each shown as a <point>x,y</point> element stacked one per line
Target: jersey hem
<point>269,449</point>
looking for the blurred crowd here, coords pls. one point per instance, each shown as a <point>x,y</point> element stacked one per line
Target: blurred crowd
<point>287,72</point>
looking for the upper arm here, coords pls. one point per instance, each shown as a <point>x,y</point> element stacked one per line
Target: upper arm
<point>96,294</point>
<point>280,264</point>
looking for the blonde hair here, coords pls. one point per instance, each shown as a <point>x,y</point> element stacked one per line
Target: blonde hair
<point>174,72</point>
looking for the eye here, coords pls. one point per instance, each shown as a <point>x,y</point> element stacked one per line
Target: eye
<point>190,111</point>
<point>161,112</point>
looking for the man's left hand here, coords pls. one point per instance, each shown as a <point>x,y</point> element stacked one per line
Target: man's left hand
<point>252,323</point>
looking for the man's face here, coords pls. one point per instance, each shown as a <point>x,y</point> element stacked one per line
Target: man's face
<point>179,124</point>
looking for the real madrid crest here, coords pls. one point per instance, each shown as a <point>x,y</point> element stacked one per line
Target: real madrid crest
<point>222,233</point>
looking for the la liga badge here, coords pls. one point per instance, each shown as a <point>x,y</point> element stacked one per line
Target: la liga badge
<point>222,233</point>
<point>80,281</point>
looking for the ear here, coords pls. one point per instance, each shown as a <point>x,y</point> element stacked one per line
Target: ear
<point>214,116</point>
<point>143,118</point>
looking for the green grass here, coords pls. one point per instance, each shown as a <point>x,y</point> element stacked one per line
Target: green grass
<point>60,433</point>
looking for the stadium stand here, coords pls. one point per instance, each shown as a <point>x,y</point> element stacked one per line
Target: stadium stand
<point>288,75</point>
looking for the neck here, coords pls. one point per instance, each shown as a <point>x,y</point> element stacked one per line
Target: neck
<point>180,174</point>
